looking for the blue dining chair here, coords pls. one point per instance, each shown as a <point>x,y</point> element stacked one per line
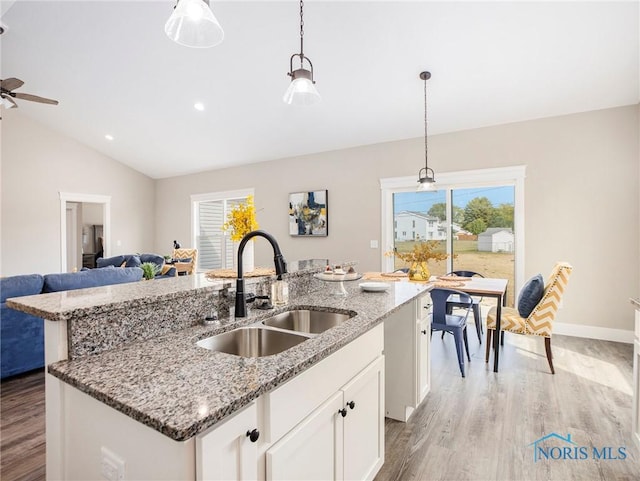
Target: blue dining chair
<point>452,323</point>
<point>454,303</point>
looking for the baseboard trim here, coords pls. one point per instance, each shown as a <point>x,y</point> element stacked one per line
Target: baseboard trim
<point>593,332</point>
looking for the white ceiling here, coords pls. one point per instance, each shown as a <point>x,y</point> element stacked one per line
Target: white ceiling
<point>115,72</point>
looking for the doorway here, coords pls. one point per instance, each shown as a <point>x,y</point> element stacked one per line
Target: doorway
<point>84,228</point>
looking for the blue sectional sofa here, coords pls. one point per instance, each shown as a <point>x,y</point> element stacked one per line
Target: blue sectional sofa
<point>21,334</point>
<point>136,260</point>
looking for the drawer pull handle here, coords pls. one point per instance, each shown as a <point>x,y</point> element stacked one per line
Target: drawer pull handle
<point>351,404</point>
<point>424,332</point>
<point>343,412</point>
<point>253,435</point>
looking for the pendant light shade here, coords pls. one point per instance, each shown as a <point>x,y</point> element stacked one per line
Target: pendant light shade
<point>426,176</point>
<point>193,24</point>
<point>302,89</point>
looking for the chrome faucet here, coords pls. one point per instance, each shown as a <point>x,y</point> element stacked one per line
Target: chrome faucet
<point>278,260</point>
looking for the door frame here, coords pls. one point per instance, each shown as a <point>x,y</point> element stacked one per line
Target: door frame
<point>464,179</point>
<point>105,200</point>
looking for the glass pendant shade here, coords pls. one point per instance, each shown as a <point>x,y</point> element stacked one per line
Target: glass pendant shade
<point>193,24</point>
<point>301,90</point>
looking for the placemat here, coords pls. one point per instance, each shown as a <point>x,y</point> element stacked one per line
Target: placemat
<point>394,274</point>
<point>233,273</point>
<point>378,276</point>
<point>454,278</point>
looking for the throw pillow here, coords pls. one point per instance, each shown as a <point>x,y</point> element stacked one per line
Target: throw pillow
<point>530,295</point>
<point>115,261</point>
<point>133,261</point>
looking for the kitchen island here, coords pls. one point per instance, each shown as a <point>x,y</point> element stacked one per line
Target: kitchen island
<point>160,407</point>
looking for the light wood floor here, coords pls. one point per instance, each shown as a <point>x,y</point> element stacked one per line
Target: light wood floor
<point>477,428</point>
<point>22,454</point>
<point>480,427</point>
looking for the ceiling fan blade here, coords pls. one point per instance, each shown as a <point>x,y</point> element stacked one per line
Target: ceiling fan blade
<point>34,98</point>
<point>15,105</point>
<point>11,83</point>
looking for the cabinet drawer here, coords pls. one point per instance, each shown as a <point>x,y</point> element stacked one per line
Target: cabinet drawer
<point>424,307</point>
<point>290,403</point>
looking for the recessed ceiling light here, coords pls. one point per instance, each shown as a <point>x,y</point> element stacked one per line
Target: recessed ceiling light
<point>198,106</point>
<point>108,137</point>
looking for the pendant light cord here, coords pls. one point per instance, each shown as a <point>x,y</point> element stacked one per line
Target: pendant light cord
<point>426,164</point>
<point>301,32</point>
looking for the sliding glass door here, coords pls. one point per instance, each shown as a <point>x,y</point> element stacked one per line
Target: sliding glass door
<point>482,232</point>
<point>478,224</point>
<point>420,217</point>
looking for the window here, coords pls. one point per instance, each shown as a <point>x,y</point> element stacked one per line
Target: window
<point>208,214</point>
<point>502,189</point>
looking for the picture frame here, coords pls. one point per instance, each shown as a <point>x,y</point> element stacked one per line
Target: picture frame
<point>308,214</point>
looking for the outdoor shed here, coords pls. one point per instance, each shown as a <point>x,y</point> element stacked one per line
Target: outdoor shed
<point>496,239</point>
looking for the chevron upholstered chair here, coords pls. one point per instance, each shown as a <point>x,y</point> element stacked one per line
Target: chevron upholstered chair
<point>540,321</point>
<point>180,255</point>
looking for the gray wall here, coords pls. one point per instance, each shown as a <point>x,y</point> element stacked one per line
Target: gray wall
<point>38,163</point>
<point>581,201</point>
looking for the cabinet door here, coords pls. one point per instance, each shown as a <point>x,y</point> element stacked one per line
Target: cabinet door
<point>311,450</point>
<point>423,346</point>
<point>364,423</point>
<point>226,452</point>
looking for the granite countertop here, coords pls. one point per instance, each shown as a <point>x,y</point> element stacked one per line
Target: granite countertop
<point>170,384</point>
<point>635,302</point>
<point>65,305</point>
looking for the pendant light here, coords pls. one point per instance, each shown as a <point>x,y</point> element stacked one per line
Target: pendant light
<point>302,90</point>
<point>426,176</point>
<point>193,24</point>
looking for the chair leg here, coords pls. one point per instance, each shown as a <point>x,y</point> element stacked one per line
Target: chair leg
<point>489,343</point>
<point>502,338</point>
<point>547,347</point>
<point>478,319</point>
<point>457,334</point>
<point>466,342</point>
<point>443,333</point>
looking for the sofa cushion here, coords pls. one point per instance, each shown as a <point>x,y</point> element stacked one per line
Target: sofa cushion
<point>24,285</point>
<point>133,261</point>
<point>115,261</point>
<point>530,295</point>
<point>155,258</point>
<point>92,278</point>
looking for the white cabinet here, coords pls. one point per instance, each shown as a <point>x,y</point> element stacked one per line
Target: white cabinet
<point>228,451</point>
<point>364,423</point>
<point>407,335</point>
<point>635,431</point>
<point>341,439</point>
<point>313,449</point>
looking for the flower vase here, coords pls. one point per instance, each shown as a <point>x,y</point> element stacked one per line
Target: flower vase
<point>247,257</point>
<point>419,271</point>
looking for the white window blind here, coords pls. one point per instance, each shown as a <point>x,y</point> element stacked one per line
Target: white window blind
<point>215,248</point>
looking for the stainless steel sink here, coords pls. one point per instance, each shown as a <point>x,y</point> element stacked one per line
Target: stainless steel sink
<point>307,320</point>
<point>252,342</point>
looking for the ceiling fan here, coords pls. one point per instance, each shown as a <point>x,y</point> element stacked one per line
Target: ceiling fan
<point>7,94</point>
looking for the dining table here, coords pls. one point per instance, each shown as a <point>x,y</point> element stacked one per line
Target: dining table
<point>480,286</point>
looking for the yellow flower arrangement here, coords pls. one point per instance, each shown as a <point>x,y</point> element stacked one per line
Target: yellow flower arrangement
<point>421,252</point>
<point>241,220</point>
<point>417,258</point>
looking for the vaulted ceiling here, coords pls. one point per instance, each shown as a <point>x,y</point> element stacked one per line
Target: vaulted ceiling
<point>115,72</point>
